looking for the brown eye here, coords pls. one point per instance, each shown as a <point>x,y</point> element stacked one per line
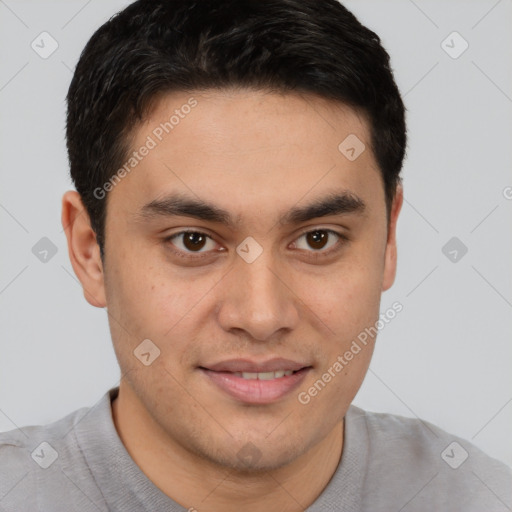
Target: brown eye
<point>192,241</point>
<point>318,240</point>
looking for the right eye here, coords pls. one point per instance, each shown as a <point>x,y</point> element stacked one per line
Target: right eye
<point>191,242</point>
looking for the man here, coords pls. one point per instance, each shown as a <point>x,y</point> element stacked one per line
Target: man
<point>237,166</point>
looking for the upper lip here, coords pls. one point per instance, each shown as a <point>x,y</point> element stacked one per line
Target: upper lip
<point>248,366</point>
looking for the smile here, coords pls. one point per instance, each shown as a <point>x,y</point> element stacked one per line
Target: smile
<point>263,375</point>
<point>255,387</point>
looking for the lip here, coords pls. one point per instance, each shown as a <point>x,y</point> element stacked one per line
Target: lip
<point>246,365</point>
<point>255,391</point>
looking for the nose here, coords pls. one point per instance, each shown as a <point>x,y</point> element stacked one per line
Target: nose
<point>257,300</point>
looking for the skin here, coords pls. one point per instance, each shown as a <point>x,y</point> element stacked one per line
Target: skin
<point>255,154</point>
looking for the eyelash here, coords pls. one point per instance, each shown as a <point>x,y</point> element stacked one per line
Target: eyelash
<point>315,254</point>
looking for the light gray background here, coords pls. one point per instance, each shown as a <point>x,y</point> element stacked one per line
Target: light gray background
<point>445,358</point>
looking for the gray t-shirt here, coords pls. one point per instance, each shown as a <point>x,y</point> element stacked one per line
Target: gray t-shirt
<point>389,464</point>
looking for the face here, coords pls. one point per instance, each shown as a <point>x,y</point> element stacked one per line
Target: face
<point>243,244</point>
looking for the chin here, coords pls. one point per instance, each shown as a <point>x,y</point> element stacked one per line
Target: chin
<point>250,460</point>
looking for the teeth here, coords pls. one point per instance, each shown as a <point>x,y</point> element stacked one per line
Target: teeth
<point>263,375</point>
<point>266,375</point>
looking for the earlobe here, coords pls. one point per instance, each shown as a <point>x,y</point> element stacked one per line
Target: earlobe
<point>83,249</point>
<point>390,262</point>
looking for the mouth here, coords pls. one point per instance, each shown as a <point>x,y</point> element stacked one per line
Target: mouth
<point>256,383</point>
<point>264,375</point>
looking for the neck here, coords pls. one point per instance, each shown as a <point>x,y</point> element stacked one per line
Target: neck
<point>197,483</point>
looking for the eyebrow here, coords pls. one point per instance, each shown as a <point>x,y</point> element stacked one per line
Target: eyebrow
<point>339,203</point>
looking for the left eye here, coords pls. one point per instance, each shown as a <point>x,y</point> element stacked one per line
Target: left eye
<point>318,239</point>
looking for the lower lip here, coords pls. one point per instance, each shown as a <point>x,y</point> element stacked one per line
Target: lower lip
<point>255,391</point>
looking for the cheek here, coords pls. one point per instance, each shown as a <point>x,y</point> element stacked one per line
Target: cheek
<point>147,295</point>
<point>346,297</point>
<point>154,301</point>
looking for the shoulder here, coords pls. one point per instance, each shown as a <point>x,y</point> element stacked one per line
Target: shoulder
<point>18,440</point>
<point>415,462</point>
<point>35,461</point>
<point>17,443</point>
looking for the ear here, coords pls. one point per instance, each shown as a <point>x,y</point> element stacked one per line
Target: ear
<point>83,249</point>
<point>391,253</point>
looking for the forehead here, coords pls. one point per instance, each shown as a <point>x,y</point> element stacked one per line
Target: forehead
<point>250,149</point>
